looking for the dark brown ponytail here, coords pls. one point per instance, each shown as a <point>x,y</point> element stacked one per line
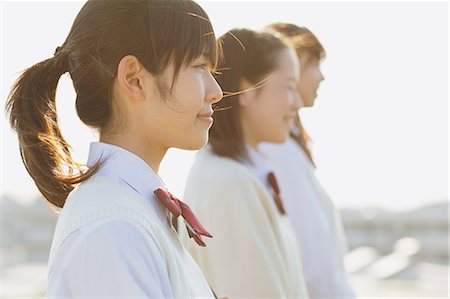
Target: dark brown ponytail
<point>33,116</point>
<point>302,138</point>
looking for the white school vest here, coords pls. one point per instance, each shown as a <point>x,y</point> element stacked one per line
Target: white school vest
<point>101,197</point>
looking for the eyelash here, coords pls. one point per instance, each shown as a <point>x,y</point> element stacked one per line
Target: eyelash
<point>202,66</point>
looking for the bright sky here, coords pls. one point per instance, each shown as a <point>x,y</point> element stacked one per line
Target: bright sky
<point>380,124</point>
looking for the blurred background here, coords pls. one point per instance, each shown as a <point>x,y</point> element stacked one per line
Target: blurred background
<point>379,130</point>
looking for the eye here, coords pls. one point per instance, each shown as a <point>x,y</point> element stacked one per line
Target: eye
<point>203,66</point>
<point>292,87</point>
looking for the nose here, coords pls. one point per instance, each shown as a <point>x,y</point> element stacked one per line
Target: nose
<point>321,76</point>
<point>214,92</point>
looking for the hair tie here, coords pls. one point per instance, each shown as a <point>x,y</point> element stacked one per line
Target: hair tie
<point>62,58</point>
<point>58,49</point>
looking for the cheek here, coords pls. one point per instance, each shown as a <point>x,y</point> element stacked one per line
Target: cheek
<point>307,77</point>
<point>273,115</point>
<point>276,102</point>
<point>283,100</point>
<point>189,100</point>
<point>306,85</point>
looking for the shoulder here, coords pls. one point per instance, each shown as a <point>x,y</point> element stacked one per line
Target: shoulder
<point>288,147</point>
<point>101,188</point>
<point>215,181</point>
<point>112,239</point>
<point>112,233</point>
<point>106,251</point>
<point>209,167</point>
<point>101,196</point>
<point>287,155</point>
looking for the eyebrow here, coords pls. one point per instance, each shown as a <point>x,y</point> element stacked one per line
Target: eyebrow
<point>203,56</point>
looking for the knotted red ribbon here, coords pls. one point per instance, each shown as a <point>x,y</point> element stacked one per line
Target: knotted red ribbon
<point>177,208</point>
<point>276,190</point>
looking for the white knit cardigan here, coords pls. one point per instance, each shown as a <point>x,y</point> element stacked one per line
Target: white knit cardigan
<point>254,252</point>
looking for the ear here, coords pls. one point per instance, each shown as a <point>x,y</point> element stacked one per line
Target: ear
<point>130,73</point>
<point>247,97</point>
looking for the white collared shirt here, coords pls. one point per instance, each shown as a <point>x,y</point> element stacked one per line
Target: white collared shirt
<point>258,166</point>
<point>113,256</point>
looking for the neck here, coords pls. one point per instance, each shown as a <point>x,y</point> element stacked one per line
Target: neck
<point>252,143</point>
<point>152,155</point>
<point>249,136</point>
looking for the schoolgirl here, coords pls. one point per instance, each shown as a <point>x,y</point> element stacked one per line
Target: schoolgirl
<point>141,72</point>
<point>254,253</point>
<point>316,221</point>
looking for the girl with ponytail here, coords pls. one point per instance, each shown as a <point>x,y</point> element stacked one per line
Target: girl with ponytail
<point>141,72</point>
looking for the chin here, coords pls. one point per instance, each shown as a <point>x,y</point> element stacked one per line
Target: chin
<point>309,103</point>
<point>195,144</point>
<point>279,138</point>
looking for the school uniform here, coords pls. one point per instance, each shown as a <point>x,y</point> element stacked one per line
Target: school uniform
<point>316,222</point>
<point>114,237</point>
<point>253,253</point>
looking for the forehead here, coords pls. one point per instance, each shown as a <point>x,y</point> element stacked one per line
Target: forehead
<point>309,60</point>
<point>203,56</point>
<point>288,65</point>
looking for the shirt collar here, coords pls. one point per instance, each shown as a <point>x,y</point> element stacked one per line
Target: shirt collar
<point>257,165</point>
<point>127,168</point>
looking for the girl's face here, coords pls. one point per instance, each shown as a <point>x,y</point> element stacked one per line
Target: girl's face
<point>268,113</point>
<point>183,118</point>
<point>311,78</point>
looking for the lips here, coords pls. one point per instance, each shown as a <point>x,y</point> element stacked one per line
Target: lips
<point>289,117</point>
<point>206,114</point>
<point>206,117</point>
